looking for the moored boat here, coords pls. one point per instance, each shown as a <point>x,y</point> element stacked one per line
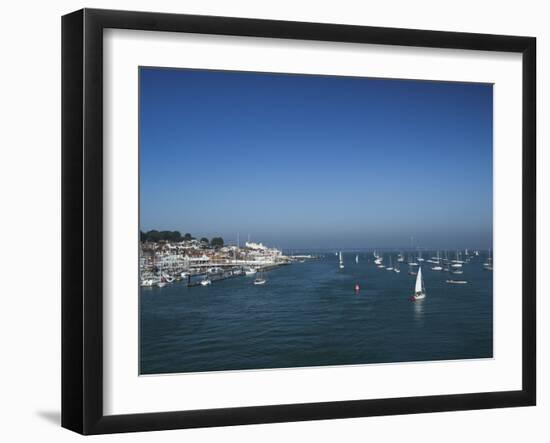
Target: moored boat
<point>260,279</point>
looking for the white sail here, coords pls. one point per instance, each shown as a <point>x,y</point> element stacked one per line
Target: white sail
<point>418,286</point>
<point>357,258</point>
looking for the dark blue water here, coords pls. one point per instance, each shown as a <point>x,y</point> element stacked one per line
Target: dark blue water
<point>308,314</point>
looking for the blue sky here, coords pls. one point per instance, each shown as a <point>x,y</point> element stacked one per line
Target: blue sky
<point>302,161</point>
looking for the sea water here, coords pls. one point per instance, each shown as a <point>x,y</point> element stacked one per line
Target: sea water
<point>309,314</point>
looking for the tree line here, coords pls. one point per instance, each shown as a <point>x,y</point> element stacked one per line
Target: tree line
<point>175,236</point>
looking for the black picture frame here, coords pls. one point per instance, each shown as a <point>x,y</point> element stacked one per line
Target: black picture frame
<point>82,218</point>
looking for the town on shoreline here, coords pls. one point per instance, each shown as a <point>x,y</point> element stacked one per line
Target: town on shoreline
<point>167,256</point>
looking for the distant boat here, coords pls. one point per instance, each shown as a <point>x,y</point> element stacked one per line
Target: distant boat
<point>206,281</point>
<point>390,267</point>
<point>458,262</point>
<point>419,289</point>
<point>488,266</point>
<point>357,258</point>
<point>250,271</point>
<point>400,258</point>
<point>446,263</point>
<point>260,280</point>
<point>437,262</point>
<point>412,267</point>
<point>420,259</point>
<point>396,268</point>
<point>341,264</point>
<point>456,282</point>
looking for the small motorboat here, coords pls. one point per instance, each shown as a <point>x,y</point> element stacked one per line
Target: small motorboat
<point>456,282</point>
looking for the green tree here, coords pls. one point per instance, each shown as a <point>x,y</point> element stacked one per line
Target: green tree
<point>153,235</point>
<point>156,236</point>
<point>217,242</point>
<point>205,240</point>
<point>187,237</point>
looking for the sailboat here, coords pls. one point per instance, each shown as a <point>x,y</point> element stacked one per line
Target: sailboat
<point>390,267</point>
<point>458,262</point>
<point>419,289</point>
<point>341,264</point>
<point>357,258</point>
<point>260,280</point>
<point>437,266</point>
<point>396,268</point>
<point>446,263</point>
<point>411,269</point>
<point>400,258</point>
<point>420,259</point>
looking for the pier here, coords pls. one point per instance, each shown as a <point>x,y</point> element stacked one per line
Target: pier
<point>216,277</point>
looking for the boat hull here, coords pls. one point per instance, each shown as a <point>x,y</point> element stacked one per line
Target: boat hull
<point>416,297</point>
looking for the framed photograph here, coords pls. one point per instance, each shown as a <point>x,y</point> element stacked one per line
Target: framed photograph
<point>269,221</point>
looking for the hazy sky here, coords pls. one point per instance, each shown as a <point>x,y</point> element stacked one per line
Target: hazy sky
<point>316,161</point>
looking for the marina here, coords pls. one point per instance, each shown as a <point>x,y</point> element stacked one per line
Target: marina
<point>312,312</point>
